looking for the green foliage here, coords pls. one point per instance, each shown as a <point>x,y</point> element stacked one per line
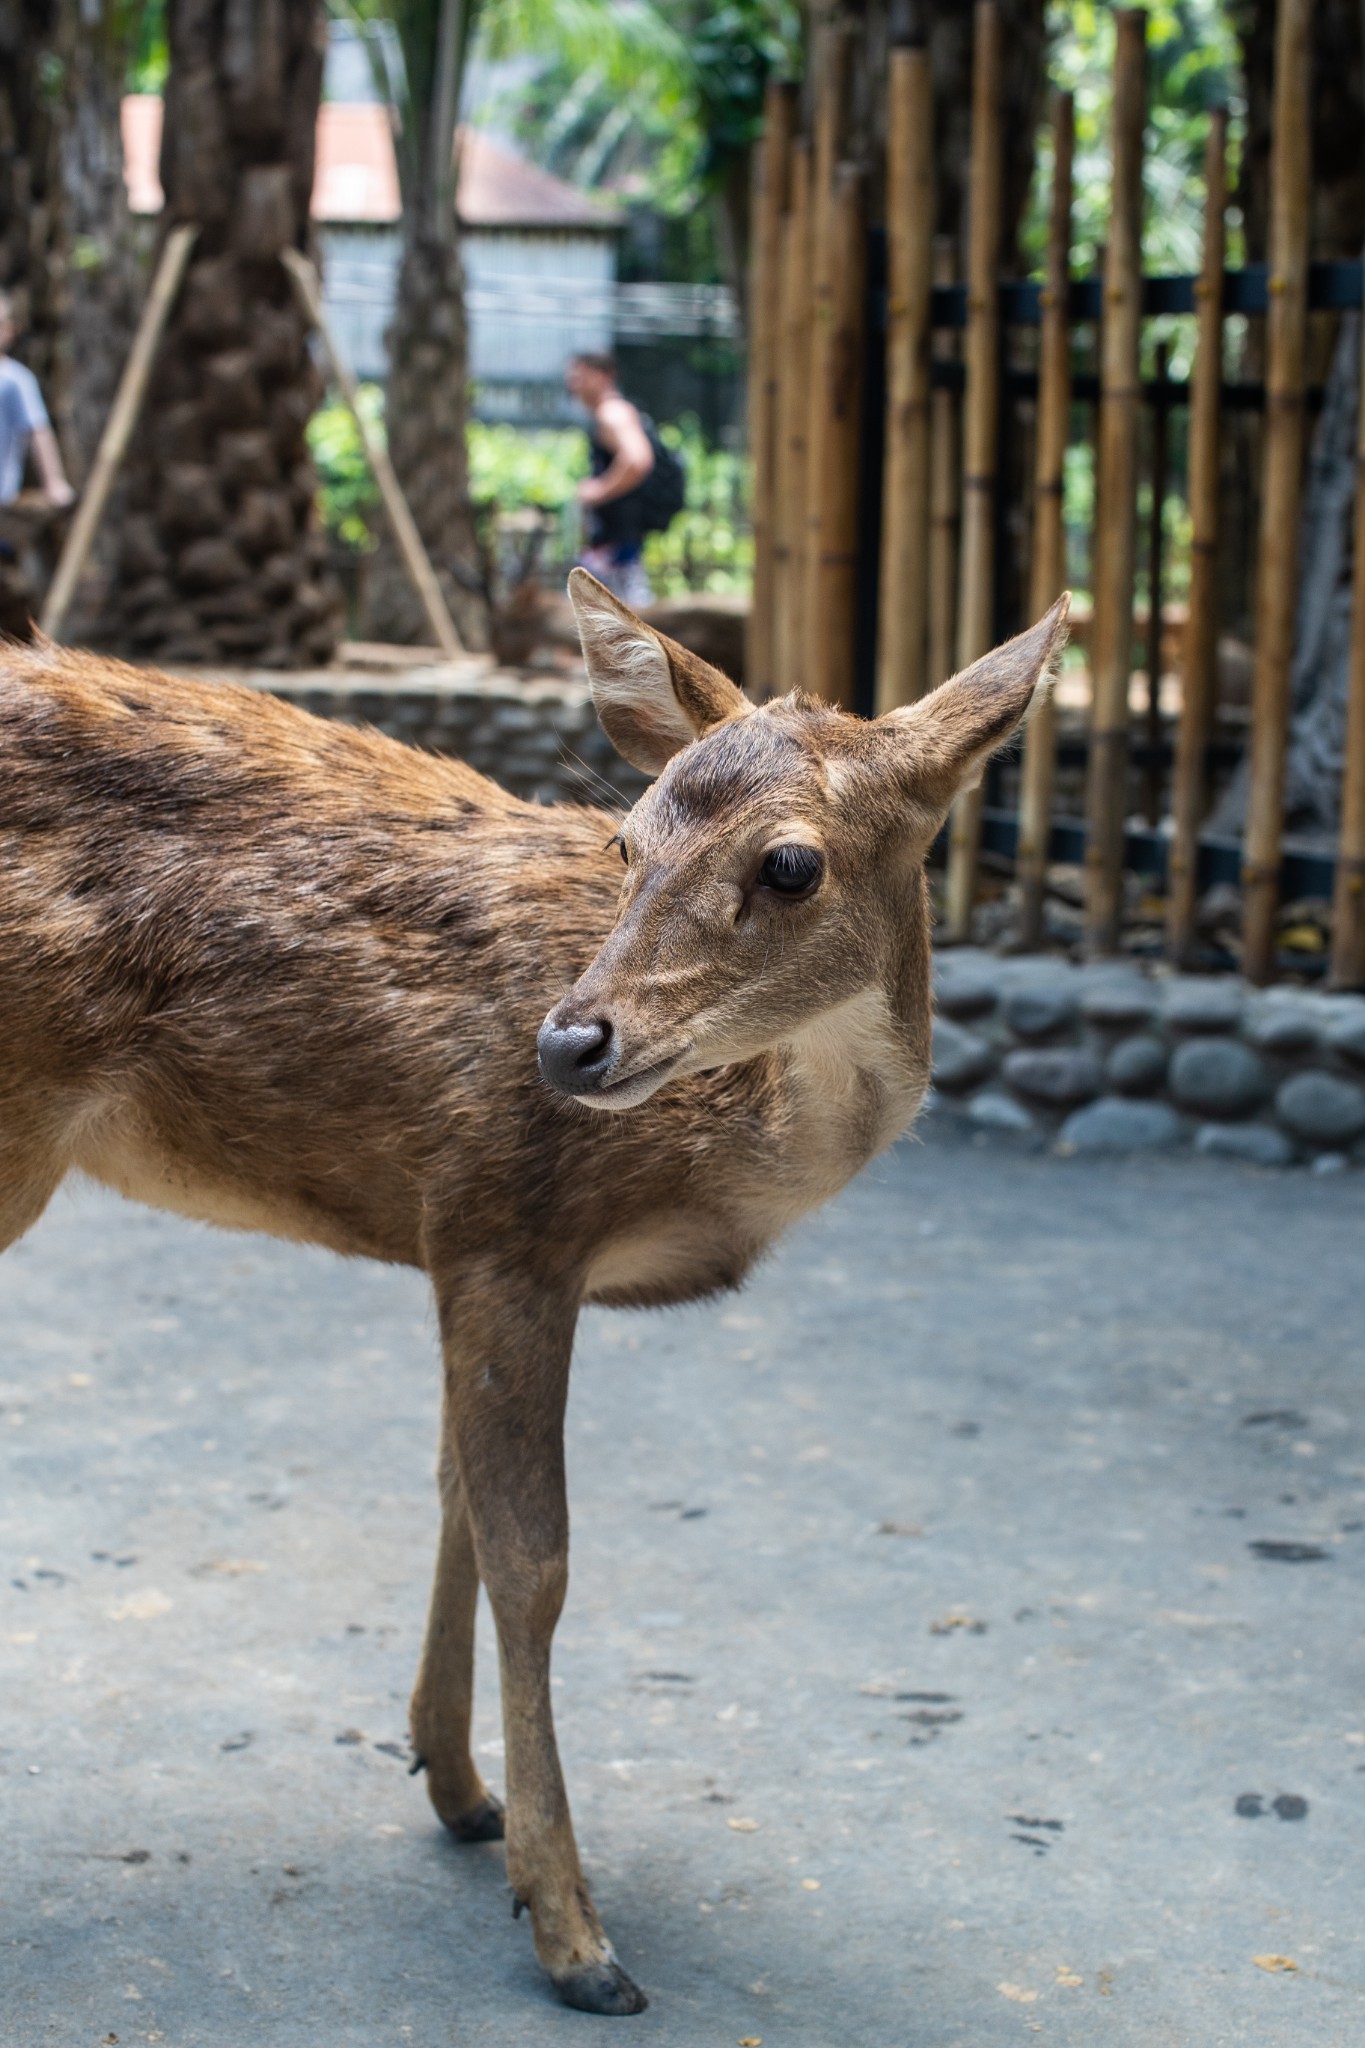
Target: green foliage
<point>1193,65</point>
<point>513,469</point>
<point>150,61</point>
<point>736,47</point>
<point>348,497</point>
<point>659,100</point>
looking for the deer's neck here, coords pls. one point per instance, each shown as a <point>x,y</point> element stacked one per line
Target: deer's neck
<point>858,1072</point>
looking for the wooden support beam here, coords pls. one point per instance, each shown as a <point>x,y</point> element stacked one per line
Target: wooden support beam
<point>1348,918</point>
<point>1048,568</point>
<point>790,652</point>
<point>945,483</point>
<point>771,161</point>
<point>1116,489</point>
<point>1282,487</point>
<point>1199,651</point>
<point>118,428</point>
<point>981,432</point>
<point>1158,472</point>
<point>902,646</point>
<point>839,407</point>
<point>831,127</point>
<point>308,291</point>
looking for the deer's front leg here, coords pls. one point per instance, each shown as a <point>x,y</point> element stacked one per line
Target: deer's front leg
<point>507,1346</point>
<point>442,1700</point>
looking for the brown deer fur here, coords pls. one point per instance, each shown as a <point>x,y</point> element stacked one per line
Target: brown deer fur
<point>287,976</point>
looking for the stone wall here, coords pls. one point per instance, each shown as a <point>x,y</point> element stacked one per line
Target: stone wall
<point>1105,1058</point>
<point>538,737</point>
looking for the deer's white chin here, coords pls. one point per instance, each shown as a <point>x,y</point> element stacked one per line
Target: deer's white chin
<point>635,1089</point>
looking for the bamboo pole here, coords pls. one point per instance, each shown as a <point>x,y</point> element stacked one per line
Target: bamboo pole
<point>981,433</point>
<point>790,653</point>
<point>903,607</point>
<point>838,399</point>
<point>1048,569</point>
<point>1199,650</point>
<point>1156,548</point>
<point>1348,919</point>
<point>1116,521</point>
<point>831,121</point>
<point>118,429</point>
<point>945,479</point>
<point>772,162</point>
<point>308,291</point>
<point>1278,550</point>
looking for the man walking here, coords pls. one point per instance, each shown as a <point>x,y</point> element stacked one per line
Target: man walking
<point>636,485</point>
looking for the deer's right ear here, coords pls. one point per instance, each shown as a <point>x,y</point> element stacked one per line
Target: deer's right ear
<point>652,696</point>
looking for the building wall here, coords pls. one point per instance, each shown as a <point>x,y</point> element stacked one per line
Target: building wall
<point>533,299</point>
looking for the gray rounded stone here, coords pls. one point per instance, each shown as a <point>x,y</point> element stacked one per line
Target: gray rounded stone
<point>961,1059</point>
<point>996,1111</point>
<point>1204,1005</point>
<point>1254,1144</point>
<point>1114,1124</point>
<point>1120,1006</point>
<point>1218,1076</point>
<point>1321,1109</point>
<point>1330,1162</point>
<point>965,994</point>
<point>1061,1077</point>
<point>1136,1066</point>
<point>1285,1030</point>
<point>1040,1012</point>
<point>1347,1036</point>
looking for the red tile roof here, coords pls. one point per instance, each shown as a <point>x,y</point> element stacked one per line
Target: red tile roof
<point>356,179</point>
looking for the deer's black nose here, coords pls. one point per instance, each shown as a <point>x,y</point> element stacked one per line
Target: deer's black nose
<point>576,1058</point>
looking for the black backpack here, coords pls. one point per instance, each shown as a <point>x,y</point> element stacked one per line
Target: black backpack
<point>663,493</point>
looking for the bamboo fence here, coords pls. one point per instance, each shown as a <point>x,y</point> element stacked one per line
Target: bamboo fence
<point>907,498</point>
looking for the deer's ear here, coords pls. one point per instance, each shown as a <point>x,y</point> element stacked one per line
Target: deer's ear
<point>952,733</point>
<point>652,696</point>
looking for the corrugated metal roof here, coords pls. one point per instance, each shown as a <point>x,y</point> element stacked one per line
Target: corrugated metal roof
<point>356,176</point>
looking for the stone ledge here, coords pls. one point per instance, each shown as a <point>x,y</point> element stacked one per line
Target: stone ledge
<point>1108,1058</point>
<point>536,735</point>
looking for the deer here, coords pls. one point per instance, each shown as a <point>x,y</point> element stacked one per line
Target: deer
<point>285,975</point>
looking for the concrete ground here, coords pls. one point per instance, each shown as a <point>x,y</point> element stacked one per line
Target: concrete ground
<point>965,1641</point>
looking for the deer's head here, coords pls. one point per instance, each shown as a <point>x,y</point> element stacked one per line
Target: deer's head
<point>769,872</point>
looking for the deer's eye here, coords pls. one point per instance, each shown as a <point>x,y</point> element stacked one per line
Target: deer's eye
<point>791,870</point>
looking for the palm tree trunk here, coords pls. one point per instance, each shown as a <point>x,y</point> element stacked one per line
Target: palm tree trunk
<point>223,557</point>
<point>426,403</point>
<point>104,273</point>
<point>426,410</point>
<point>36,42</point>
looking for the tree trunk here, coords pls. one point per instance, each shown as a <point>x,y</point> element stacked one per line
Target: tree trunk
<point>1322,631</point>
<point>426,412</point>
<point>426,406</point>
<point>223,558</point>
<point>105,275</point>
<point>105,278</point>
<point>36,42</point>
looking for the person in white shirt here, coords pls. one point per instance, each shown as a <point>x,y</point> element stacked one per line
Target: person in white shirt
<point>24,424</point>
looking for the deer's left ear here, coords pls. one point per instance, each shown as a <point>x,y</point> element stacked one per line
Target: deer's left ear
<point>652,696</point>
<point>951,734</point>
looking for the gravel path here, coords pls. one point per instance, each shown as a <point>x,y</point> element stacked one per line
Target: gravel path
<point>964,1648</point>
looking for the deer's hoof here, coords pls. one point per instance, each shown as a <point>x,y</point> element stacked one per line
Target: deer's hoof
<point>601,1987</point>
<point>482,1823</point>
